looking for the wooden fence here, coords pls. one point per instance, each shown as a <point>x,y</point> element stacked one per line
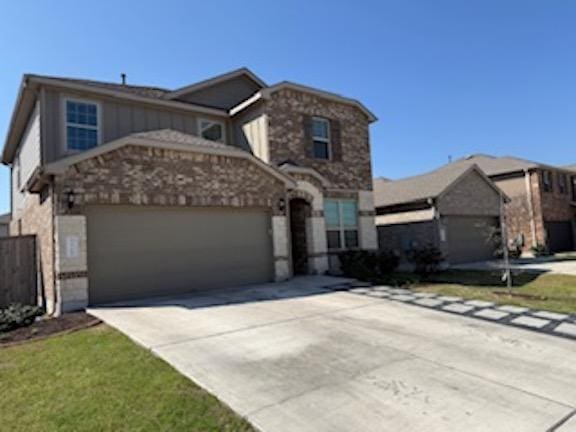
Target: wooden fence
<point>18,270</point>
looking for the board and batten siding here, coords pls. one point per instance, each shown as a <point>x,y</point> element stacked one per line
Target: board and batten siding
<point>251,132</point>
<point>118,120</point>
<point>27,160</point>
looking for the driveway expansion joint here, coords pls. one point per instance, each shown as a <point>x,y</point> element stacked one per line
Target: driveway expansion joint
<point>542,321</point>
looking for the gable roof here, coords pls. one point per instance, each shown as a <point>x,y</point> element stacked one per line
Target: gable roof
<point>493,165</point>
<point>265,93</point>
<point>162,97</point>
<point>210,82</point>
<point>166,139</point>
<point>422,187</point>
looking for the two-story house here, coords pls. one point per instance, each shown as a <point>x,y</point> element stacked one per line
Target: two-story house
<point>542,200</point>
<point>138,191</point>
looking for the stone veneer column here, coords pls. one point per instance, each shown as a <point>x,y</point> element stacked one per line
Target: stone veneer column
<point>71,270</point>
<point>316,230</point>
<point>368,235</point>
<point>282,270</point>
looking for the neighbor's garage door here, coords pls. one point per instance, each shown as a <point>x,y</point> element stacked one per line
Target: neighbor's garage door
<point>560,236</point>
<point>469,238</point>
<point>141,252</point>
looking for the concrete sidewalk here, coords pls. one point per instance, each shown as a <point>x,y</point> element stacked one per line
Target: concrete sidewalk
<point>297,357</point>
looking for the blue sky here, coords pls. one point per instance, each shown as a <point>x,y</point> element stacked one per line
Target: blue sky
<point>444,77</point>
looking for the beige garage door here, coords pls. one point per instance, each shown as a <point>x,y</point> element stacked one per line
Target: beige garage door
<point>142,252</point>
<point>470,238</point>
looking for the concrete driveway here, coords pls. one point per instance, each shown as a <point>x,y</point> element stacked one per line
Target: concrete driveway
<point>296,357</point>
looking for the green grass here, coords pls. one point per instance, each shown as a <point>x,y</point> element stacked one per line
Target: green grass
<point>557,292</point>
<point>98,380</point>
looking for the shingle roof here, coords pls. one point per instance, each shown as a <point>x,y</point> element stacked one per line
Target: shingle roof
<point>417,188</point>
<point>173,136</point>
<point>492,165</point>
<point>146,91</point>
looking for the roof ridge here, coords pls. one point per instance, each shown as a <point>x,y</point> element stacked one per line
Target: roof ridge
<point>96,81</point>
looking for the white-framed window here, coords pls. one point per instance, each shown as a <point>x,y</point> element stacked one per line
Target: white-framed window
<point>321,138</point>
<point>341,217</point>
<point>212,130</point>
<point>81,124</point>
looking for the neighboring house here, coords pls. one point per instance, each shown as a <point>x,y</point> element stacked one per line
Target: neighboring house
<point>4,225</point>
<point>140,191</point>
<point>455,208</point>
<point>542,207</point>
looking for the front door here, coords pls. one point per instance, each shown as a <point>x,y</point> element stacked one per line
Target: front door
<point>299,212</point>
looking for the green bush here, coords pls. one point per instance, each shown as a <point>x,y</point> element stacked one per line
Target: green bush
<point>18,315</point>
<point>540,250</point>
<point>426,259</point>
<point>368,265</point>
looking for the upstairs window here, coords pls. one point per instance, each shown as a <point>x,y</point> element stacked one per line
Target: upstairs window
<point>82,125</point>
<point>211,130</point>
<point>563,184</point>
<point>341,218</point>
<point>547,181</point>
<point>321,138</point>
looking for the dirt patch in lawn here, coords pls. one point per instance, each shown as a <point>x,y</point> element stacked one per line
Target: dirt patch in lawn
<point>47,327</point>
<point>521,295</point>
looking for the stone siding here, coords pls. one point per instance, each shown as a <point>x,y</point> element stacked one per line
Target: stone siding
<point>286,110</point>
<point>136,175</point>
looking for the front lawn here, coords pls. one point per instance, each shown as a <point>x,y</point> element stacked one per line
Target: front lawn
<point>98,380</point>
<point>538,291</point>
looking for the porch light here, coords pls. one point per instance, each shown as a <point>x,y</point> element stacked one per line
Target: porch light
<point>282,205</point>
<point>70,198</point>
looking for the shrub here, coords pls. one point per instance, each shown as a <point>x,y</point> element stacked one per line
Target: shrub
<point>426,259</point>
<point>387,262</point>
<point>539,250</point>
<point>18,315</point>
<point>368,265</point>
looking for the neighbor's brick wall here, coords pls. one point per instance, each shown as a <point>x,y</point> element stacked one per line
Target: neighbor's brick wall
<point>136,175</point>
<point>471,196</point>
<point>37,218</point>
<point>286,110</point>
<point>548,207</point>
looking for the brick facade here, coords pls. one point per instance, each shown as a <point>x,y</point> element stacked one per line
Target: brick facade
<point>473,196</point>
<point>286,140</point>
<point>136,175</point>
<point>527,214</point>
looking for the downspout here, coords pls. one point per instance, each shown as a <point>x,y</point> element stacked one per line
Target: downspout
<point>530,207</point>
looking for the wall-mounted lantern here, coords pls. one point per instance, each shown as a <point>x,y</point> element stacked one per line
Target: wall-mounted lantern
<point>282,205</point>
<point>70,198</point>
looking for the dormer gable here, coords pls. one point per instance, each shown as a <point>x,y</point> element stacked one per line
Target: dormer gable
<point>222,92</point>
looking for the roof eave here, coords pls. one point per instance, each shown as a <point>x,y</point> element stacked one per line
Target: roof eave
<point>25,93</point>
<point>320,93</point>
<point>215,80</point>
<point>59,167</point>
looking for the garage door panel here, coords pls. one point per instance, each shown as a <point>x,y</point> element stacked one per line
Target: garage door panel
<point>470,238</point>
<point>137,252</point>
